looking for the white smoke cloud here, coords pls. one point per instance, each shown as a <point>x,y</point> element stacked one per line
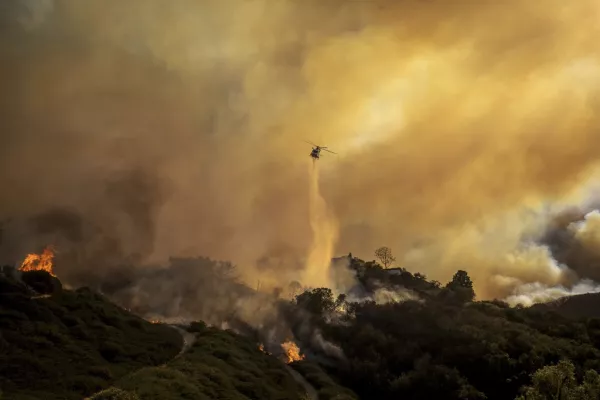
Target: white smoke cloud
<point>532,293</point>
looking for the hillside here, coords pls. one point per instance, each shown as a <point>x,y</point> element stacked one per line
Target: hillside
<point>577,306</point>
<point>424,340</point>
<point>69,344</point>
<point>62,344</point>
<point>395,334</point>
<point>219,365</point>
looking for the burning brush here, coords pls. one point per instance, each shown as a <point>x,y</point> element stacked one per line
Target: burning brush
<point>39,262</point>
<point>291,352</point>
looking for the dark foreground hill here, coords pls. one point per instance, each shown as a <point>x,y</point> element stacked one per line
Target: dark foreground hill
<point>69,344</point>
<point>62,344</point>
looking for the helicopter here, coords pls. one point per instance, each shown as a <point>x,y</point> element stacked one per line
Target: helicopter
<point>316,151</point>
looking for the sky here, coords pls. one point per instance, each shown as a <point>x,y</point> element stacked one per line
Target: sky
<point>463,130</point>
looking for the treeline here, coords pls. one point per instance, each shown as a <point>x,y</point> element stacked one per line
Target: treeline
<point>442,343</point>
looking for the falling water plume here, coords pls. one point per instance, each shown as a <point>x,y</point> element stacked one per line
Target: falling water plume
<point>325,233</point>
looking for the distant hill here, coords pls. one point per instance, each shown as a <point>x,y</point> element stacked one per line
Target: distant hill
<point>576,306</point>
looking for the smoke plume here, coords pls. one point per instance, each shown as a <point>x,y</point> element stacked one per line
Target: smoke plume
<point>152,129</point>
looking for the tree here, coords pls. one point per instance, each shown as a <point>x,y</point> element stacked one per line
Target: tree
<point>461,286</point>
<point>317,301</point>
<point>384,255</point>
<point>557,382</point>
<point>340,301</point>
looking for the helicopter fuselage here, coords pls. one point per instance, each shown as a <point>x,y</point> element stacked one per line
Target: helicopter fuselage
<point>315,153</point>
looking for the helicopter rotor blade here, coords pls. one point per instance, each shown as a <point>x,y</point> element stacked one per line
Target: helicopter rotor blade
<point>311,143</point>
<point>328,150</point>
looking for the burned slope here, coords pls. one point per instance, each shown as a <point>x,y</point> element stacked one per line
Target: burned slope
<point>71,343</point>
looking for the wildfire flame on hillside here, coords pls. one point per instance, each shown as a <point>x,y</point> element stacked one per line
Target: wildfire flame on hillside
<point>292,352</point>
<point>39,262</point>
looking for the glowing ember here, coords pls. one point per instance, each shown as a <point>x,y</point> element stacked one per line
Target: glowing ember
<point>39,262</point>
<point>292,352</point>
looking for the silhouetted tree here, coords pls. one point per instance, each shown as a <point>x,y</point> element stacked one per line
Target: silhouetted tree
<point>317,301</point>
<point>339,302</point>
<point>461,286</point>
<point>384,255</point>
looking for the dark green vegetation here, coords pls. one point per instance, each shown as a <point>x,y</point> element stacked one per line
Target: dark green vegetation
<point>578,306</point>
<point>327,388</point>
<point>559,382</point>
<point>447,345</point>
<point>432,341</point>
<point>220,365</point>
<point>72,343</point>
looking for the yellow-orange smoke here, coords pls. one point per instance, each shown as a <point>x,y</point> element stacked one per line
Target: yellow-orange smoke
<point>39,262</point>
<point>447,115</point>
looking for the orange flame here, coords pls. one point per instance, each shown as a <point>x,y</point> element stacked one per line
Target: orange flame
<point>292,352</point>
<point>39,262</point>
<point>261,347</point>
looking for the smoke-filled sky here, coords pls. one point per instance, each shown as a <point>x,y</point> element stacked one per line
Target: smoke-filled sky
<point>177,128</point>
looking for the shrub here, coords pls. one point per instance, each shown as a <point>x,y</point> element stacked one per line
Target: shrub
<point>86,384</point>
<point>100,372</point>
<point>111,351</point>
<point>42,282</point>
<point>197,327</point>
